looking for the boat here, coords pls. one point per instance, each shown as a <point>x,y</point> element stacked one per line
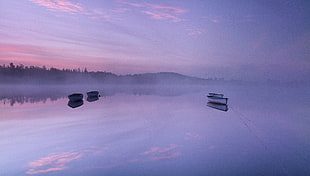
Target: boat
<point>93,94</point>
<point>217,100</point>
<point>75,104</point>
<point>75,97</point>
<point>221,107</point>
<point>216,95</point>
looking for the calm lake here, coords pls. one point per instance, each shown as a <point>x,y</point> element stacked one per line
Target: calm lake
<point>155,131</point>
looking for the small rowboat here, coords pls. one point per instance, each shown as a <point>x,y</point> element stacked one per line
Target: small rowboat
<point>93,94</point>
<point>75,97</point>
<point>217,100</point>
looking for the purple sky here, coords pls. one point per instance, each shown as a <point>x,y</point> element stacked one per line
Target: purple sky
<point>252,40</point>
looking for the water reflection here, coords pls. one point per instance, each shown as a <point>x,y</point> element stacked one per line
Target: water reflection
<point>158,135</point>
<point>92,99</point>
<point>22,94</point>
<point>65,160</point>
<point>221,107</point>
<point>22,99</point>
<point>53,162</point>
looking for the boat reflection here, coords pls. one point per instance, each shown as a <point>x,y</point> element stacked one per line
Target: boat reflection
<point>221,107</point>
<point>92,98</point>
<point>75,104</point>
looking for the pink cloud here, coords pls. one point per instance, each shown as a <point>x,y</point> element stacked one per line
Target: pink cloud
<point>193,32</point>
<point>166,8</point>
<point>191,135</point>
<point>25,49</point>
<point>71,8</point>
<point>54,162</point>
<point>130,3</point>
<point>159,153</point>
<point>160,15</point>
<point>159,12</point>
<point>60,5</point>
<point>160,150</point>
<point>215,20</point>
<point>168,156</point>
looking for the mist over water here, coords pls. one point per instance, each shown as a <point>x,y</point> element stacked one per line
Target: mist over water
<point>155,130</point>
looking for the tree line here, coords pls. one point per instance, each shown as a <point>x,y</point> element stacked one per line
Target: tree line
<point>33,74</point>
<point>20,74</point>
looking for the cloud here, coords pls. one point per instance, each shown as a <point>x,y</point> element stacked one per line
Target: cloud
<point>25,49</point>
<point>60,5</point>
<point>193,32</point>
<point>158,12</point>
<point>54,162</point>
<point>71,8</point>
<point>213,19</point>
<point>192,135</point>
<point>41,55</point>
<point>159,153</point>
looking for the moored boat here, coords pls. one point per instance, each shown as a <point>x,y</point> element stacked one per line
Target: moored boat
<point>217,100</point>
<point>93,94</point>
<point>76,97</point>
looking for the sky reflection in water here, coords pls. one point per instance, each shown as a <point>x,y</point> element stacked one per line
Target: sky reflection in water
<point>156,134</point>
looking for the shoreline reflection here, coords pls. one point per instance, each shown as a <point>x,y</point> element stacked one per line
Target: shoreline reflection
<point>22,95</point>
<point>20,99</point>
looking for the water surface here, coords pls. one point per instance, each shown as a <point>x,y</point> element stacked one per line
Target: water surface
<point>156,131</point>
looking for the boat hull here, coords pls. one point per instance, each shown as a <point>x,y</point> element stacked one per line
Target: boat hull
<point>93,94</point>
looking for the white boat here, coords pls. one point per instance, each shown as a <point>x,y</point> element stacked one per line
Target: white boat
<point>75,97</point>
<point>93,94</point>
<point>216,95</point>
<point>217,100</point>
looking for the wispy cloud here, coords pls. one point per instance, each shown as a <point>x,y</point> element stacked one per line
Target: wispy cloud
<point>192,135</point>
<point>40,55</point>
<point>159,153</point>
<point>60,5</point>
<point>71,8</point>
<point>213,19</point>
<point>159,12</point>
<point>193,32</point>
<point>24,49</point>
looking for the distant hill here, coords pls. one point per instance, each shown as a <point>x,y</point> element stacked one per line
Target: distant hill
<point>20,74</point>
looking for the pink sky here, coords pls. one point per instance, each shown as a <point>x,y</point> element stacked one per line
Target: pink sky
<point>252,41</point>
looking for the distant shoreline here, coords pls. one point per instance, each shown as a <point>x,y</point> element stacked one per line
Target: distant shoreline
<point>20,74</point>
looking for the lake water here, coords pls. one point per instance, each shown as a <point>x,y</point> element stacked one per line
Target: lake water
<point>155,131</point>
